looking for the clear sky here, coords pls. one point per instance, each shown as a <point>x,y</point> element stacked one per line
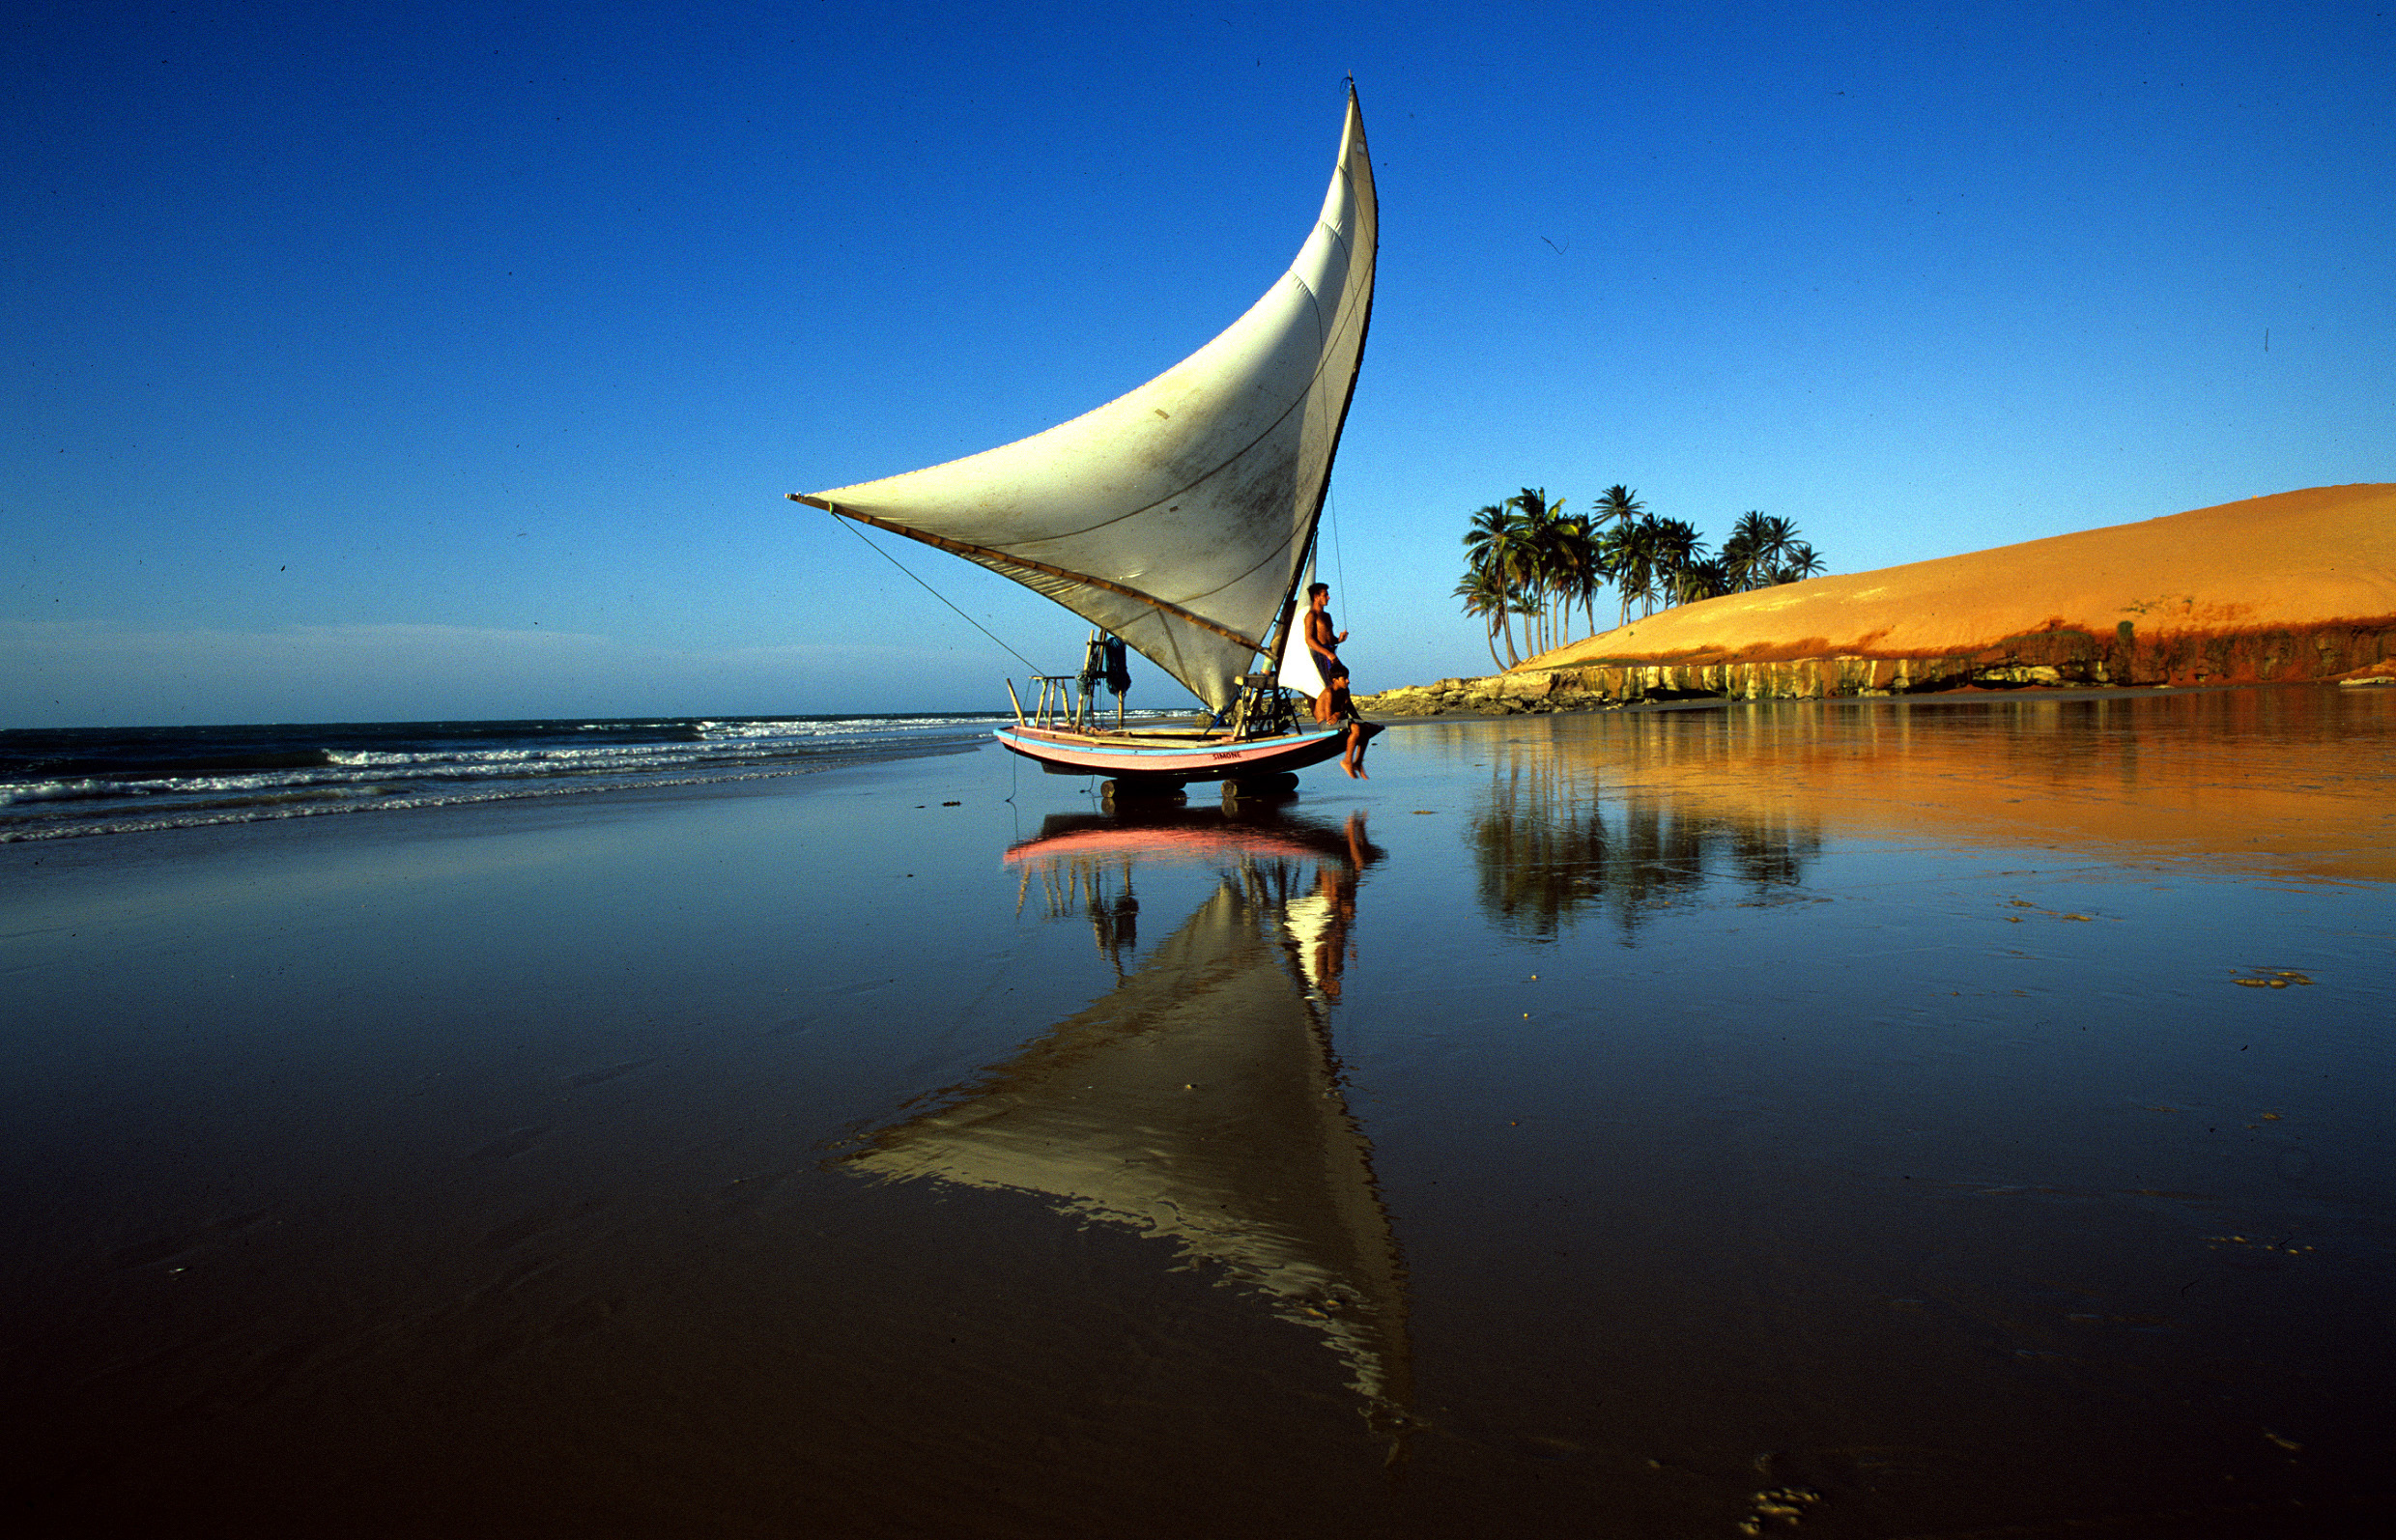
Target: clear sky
<point>372,362</point>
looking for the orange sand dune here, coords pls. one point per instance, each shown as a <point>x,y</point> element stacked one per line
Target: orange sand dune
<point>2298,563</point>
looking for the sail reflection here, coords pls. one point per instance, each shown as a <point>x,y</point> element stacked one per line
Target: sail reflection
<point>1200,1100</point>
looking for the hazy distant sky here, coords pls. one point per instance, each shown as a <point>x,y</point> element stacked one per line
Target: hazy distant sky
<point>383,361</point>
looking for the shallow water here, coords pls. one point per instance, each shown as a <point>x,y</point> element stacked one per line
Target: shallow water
<point>77,782</point>
<point>1908,1119</point>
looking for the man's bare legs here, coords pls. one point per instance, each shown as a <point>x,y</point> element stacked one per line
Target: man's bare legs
<point>1353,761</point>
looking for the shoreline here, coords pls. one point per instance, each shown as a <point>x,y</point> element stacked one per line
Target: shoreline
<point>285,808</point>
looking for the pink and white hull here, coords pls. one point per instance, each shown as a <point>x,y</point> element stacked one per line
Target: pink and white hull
<point>1177,758</point>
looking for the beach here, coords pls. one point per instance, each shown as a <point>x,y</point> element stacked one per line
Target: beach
<point>1945,1116</point>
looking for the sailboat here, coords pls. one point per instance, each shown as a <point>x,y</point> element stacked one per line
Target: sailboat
<point>1182,519</point>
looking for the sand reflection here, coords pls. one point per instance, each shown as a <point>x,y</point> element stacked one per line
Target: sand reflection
<point>1622,813</point>
<point>1200,1100</point>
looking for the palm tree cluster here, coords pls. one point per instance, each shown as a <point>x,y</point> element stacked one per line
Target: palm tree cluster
<point>1528,559</point>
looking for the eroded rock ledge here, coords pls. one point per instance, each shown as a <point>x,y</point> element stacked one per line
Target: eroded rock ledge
<point>2059,657</point>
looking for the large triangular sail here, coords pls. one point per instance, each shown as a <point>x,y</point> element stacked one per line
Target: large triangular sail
<point>1177,516</point>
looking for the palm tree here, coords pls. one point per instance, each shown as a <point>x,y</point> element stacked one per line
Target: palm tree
<point>1629,553</point>
<point>1574,574</point>
<point>1560,570</point>
<point>1746,555</point>
<point>1800,563</point>
<point>1678,548</point>
<point>1763,550</point>
<point>1528,608</point>
<point>1484,593</point>
<point>1535,527</point>
<point>1618,505</point>
<point>1493,550</point>
<point>1700,579</point>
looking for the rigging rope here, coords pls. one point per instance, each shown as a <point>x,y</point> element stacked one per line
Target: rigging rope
<point>1332,501</point>
<point>929,588</point>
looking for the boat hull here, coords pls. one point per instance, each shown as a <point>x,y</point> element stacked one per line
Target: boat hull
<point>1075,753</point>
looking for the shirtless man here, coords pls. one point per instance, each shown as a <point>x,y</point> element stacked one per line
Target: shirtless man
<point>1333,704</point>
<point>1322,640</point>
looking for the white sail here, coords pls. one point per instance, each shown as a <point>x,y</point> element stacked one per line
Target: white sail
<point>1300,674</point>
<point>1176,516</point>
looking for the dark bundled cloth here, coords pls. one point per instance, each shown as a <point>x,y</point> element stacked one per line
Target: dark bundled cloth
<point>1108,660</point>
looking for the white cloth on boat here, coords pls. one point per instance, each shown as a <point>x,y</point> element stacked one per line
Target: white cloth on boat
<point>1299,672</point>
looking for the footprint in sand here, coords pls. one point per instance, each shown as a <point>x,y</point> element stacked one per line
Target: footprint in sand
<point>149,1252</point>
<point>516,1143</point>
<point>593,1078</point>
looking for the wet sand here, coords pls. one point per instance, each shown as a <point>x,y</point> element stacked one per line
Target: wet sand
<point>1929,1118</point>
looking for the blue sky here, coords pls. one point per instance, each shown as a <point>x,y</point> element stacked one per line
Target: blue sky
<point>403,362</point>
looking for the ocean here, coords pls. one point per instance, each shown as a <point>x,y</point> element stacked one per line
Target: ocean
<point>89,781</point>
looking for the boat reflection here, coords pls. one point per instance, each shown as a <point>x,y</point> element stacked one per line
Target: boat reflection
<point>1200,1100</point>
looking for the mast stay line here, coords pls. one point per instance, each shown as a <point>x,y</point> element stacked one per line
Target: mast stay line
<point>984,553</point>
<point>944,599</point>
